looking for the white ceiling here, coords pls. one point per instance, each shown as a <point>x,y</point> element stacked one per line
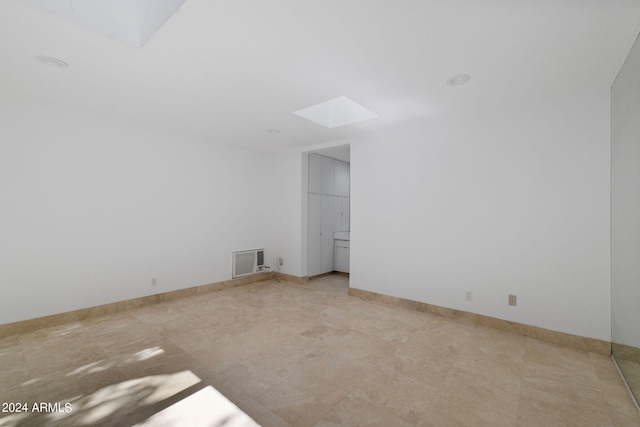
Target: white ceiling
<point>231,70</point>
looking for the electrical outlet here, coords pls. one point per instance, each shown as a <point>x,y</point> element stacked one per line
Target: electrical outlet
<point>154,282</point>
<point>468,295</point>
<point>280,261</point>
<point>513,300</point>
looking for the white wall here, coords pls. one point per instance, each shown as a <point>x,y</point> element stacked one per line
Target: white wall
<point>92,209</point>
<point>506,202</point>
<point>625,202</point>
<point>286,193</point>
<point>498,203</point>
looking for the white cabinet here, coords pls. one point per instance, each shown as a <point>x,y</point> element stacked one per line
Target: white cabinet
<point>345,214</point>
<point>326,234</point>
<point>337,214</point>
<point>314,234</point>
<point>341,214</point>
<point>320,233</point>
<point>342,255</point>
<point>341,173</point>
<point>315,174</point>
<point>328,176</point>
<point>328,179</point>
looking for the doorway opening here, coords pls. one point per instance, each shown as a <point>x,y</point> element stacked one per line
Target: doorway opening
<point>328,212</point>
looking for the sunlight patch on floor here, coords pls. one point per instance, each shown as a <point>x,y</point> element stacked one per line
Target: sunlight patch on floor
<point>126,396</point>
<point>103,365</point>
<point>205,408</point>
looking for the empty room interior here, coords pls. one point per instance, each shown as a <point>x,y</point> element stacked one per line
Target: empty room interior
<point>320,213</point>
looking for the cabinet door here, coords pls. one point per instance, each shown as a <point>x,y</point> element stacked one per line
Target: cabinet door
<point>314,235</point>
<point>342,178</point>
<point>337,214</point>
<point>315,173</point>
<point>328,175</point>
<point>342,259</point>
<point>326,245</point>
<point>345,211</point>
<point>347,179</point>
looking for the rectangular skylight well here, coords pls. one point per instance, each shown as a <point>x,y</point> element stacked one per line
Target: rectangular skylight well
<point>132,22</point>
<point>336,112</point>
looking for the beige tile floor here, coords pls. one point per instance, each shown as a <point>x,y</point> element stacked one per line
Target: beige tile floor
<point>306,355</point>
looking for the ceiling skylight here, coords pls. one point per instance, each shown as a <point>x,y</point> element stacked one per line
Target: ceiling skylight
<point>133,22</point>
<point>336,112</point>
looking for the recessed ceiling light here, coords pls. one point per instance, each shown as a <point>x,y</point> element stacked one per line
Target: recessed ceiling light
<point>336,112</point>
<point>458,80</point>
<point>52,62</point>
<point>274,131</point>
